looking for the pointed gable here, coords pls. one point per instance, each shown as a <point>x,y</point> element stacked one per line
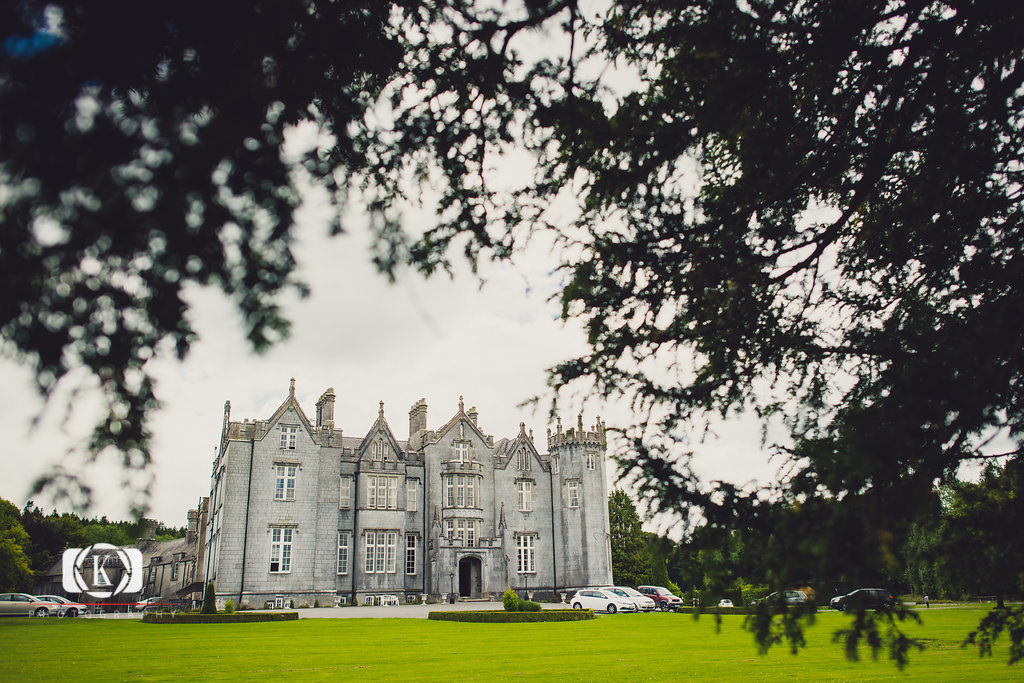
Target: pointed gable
<point>522,443</point>
<point>464,419</point>
<point>380,442</point>
<point>290,403</point>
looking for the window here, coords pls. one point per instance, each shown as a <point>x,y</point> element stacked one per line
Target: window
<point>526,553</point>
<point>574,493</point>
<point>288,437</point>
<point>460,451</point>
<point>591,460</point>
<point>466,529</point>
<point>285,487</point>
<point>343,552</point>
<point>174,571</point>
<point>280,550</point>
<point>379,449</point>
<point>460,490</point>
<point>381,492</point>
<point>345,493</point>
<point>525,495</point>
<point>524,460</point>
<point>411,486</point>
<point>410,554</point>
<point>380,551</point>
<point>554,464</point>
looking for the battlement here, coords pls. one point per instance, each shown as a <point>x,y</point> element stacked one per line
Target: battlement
<point>595,436</point>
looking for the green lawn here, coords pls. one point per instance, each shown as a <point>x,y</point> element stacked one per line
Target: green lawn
<point>624,646</point>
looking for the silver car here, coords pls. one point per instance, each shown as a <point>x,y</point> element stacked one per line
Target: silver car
<point>23,605</point>
<point>642,602</point>
<point>68,608</point>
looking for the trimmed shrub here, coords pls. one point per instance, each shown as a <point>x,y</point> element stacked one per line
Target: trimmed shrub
<point>229,607</point>
<point>209,600</point>
<point>529,606</point>
<point>502,617</point>
<point>510,600</point>
<point>189,618</point>
<point>316,603</point>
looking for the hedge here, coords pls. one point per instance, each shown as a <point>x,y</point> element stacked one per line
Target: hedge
<point>503,617</point>
<point>237,617</point>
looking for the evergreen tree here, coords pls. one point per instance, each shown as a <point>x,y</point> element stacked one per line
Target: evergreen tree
<point>631,561</point>
<point>209,600</point>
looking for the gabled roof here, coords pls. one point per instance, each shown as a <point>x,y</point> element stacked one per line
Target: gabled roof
<point>290,402</point>
<point>381,426</point>
<point>462,417</point>
<point>509,447</point>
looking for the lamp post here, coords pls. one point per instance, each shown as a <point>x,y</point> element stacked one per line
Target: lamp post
<point>451,593</point>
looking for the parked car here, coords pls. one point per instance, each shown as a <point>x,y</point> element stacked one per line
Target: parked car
<point>68,608</point>
<point>725,602</point>
<point>642,602</point>
<point>790,598</point>
<point>663,597</point>
<point>22,605</point>
<point>149,604</point>
<point>602,600</point>
<point>868,598</point>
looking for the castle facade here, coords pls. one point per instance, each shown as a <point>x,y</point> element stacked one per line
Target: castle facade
<point>300,513</point>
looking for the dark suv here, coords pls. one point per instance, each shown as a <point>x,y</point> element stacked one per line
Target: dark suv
<point>868,598</point>
<point>662,597</point>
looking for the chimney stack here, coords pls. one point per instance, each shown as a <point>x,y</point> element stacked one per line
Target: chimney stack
<point>325,410</point>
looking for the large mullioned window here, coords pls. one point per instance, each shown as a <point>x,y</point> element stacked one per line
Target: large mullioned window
<point>460,491</point>
<point>381,547</point>
<point>525,495</point>
<point>381,492</point>
<point>410,554</point>
<point>466,529</point>
<point>284,488</point>
<point>280,550</point>
<point>573,488</point>
<point>526,553</point>
<point>343,546</point>
<point>288,435</point>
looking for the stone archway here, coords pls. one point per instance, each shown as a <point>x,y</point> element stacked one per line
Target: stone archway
<point>470,575</point>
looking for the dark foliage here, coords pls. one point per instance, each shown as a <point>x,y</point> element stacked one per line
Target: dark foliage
<point>209,600</point>
<point>140,155</point>
<point>808,212</point>
<point>631,560</point>
<point>204,618</point>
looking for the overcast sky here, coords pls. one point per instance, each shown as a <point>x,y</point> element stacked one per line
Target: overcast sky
<point>369,340</point>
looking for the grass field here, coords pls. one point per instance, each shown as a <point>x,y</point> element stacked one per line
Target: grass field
<point>624,646</point>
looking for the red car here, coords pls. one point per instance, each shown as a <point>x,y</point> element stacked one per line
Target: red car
<point>663,597</point>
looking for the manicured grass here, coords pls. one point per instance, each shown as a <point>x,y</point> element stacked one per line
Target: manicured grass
<point>622,646</point>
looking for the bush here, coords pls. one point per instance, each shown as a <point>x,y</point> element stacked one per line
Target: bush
<point>291,604</point>
<point>209,600</point>
<point>304,605</point>
<point>229,607</point>
<point>316,603</point>
<point>674,589</point>
<point>509,600</point>
<point>529,606</point>
<point>501,617</point>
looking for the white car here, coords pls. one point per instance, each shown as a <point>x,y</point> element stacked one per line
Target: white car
<point>149,603</point>
<point>602,600</point>
<point>68,608</point>
<point>725,602</point>
<point>642,602</point>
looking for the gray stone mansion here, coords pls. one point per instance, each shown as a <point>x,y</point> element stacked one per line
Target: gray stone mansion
<point>300,512</point>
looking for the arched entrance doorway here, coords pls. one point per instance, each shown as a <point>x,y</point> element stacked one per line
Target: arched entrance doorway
<point>469,577</point>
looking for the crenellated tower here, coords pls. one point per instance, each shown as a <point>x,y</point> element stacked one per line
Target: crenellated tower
<point>580,511</point>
